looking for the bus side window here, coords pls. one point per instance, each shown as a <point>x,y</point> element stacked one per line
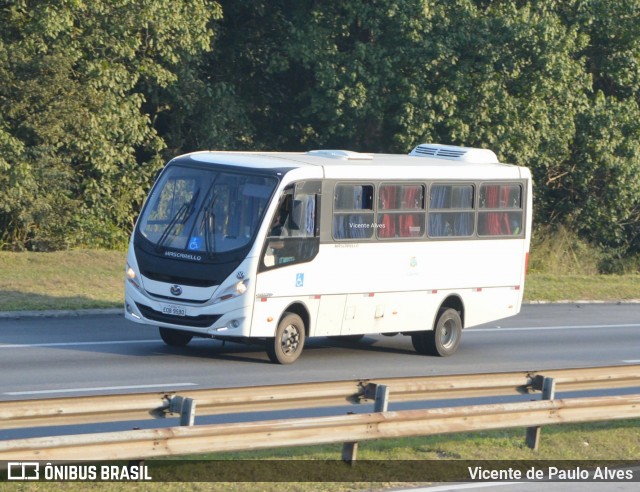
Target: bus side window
<point>400,211</point>
<point>501,212</point>
<point>303,215</point>
<point>451,210</point>
<point>292,234</point>
<point>353,211</point>
<point>278,227</point>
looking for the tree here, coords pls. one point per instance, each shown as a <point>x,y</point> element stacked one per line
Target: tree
<point>385,75</point>
<point>97,94</point>
<point>600,192</point>
<point>540,82</point>
<point>77,75</point>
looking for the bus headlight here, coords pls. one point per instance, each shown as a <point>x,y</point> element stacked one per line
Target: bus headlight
<point>132,277</point>
<point>241,288</point>
<point>235,290</point>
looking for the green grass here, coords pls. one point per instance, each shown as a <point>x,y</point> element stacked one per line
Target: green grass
<point>61,280</point>
<point>617,440</point>
<point>607,288</point>
<point>609,441</point>
<point>94,279</point>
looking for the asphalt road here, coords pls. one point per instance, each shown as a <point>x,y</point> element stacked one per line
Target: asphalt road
<point>50,357</point>
<point>74,356</point>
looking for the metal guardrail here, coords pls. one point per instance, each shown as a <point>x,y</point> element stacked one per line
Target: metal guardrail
<point>141,406</point>
<point>174,441</point>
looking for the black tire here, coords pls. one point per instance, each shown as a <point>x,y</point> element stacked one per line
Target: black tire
<point>287,345</point>
<point>445,337</point>
<point>175,338</point>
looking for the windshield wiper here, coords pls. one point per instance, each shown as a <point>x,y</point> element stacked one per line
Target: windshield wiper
<point>210,226</point>
<point>182,215</point>
<point>205,210</point>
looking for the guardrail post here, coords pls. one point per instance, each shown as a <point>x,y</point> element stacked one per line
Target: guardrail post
<point>188,413</point>
<point>382,398</point>
<point>548,387</point>
<point>350,449</point>
<point>186,407</point>
<point>349,452</point>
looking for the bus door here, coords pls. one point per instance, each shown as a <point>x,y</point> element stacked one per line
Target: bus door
<point>293,235</point>
<point>292,242</point>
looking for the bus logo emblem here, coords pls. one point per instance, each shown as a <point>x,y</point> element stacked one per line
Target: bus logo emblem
<point>299,279</point>
<point>176,290</point>
<point>23,470</point>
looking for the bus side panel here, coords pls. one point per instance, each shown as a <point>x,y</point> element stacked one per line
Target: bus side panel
<point>330,315</point>
<point>359,314</point>
<point>391,312</point>
<point>364,288</point>
<point>278,289</point>
<point>490,304</point>
<point>268,311</point>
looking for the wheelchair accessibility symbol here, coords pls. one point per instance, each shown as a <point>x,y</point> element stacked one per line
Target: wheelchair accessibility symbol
<point>299,279</point>
<point>195,243</point>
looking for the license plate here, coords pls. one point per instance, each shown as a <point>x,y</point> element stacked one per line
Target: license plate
<point>174,310</point>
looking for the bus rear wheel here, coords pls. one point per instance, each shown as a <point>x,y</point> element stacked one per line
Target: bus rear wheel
<point>417,339</point>
<point>175,338</point>
<point>445,337</point>
<point>288,343</point>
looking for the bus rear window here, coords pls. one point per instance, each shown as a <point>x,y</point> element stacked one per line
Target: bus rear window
<point>500,212</point>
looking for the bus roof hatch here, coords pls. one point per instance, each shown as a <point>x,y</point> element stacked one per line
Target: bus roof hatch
<point>341,154</point>
<point>452,152</point>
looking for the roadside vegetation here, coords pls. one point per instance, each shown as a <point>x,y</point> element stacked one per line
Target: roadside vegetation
<point>561,268</point>
<point>609,441</point>
<point>97,95</point>
<point>61,280</point>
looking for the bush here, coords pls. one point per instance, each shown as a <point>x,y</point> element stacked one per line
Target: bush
<point>561,251</point>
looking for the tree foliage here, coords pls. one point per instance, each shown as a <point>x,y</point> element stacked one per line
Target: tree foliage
<point>97,94</point>
<point>80,147</point>
<point>550,85</point>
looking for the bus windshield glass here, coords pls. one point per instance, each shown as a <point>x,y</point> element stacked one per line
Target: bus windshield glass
<point>209,211</point>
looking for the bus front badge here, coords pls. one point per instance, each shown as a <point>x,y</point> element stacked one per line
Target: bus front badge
<point>176,290</point>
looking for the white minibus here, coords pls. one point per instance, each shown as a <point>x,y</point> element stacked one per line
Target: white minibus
<point>279,247</point>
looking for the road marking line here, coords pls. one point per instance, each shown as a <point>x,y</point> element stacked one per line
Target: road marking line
<point>543,328</point>
<point>75,344</point>
<point>464,486</point>
<point>632,361</point>
<point>472,330</point>
<point>99,388</point>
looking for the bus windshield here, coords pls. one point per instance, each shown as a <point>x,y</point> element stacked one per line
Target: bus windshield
<point>209,211</point>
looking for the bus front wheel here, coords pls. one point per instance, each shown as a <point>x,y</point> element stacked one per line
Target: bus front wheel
<point>288,342</point>
<point>445,337</point>
<point>175,338</point>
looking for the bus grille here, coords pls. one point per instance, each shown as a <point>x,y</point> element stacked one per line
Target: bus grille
<point>202,321</point>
